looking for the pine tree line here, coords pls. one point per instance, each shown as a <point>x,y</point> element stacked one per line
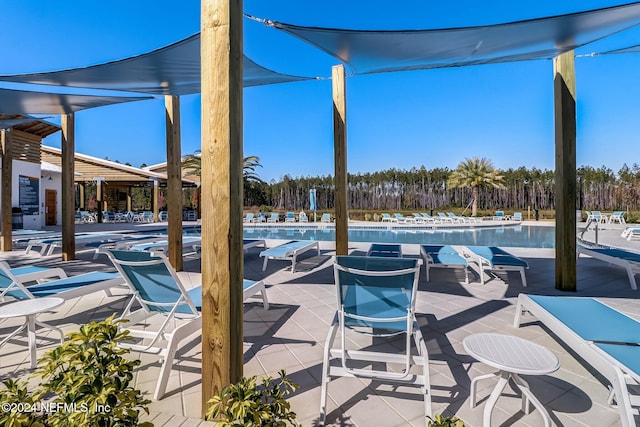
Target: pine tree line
<point>421,189</point>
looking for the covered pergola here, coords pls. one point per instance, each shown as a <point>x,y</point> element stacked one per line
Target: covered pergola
<point>219,73</point>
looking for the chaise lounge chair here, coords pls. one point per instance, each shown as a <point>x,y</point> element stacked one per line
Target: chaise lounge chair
<point>438,256</point>
<point>158,290</point>
<point>602,336</point>
<point>289,251</point>
<point>290,217</point>
<point>618,217</point>
<point>325,218</point>
<point>628,260</point>
<point>248,218</point>
<point>388,218</point>
<point>12,285</point>
<point>275,217</point>
<point>385,250</point>
<point>493,258</point>
<point>375,297</point>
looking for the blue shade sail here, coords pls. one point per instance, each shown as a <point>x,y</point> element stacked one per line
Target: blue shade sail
<point>28,102</point>
<point>171,70</point>
<point>372,51</point>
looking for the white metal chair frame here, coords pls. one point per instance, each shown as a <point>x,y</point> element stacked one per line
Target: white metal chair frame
<point>345,355</point>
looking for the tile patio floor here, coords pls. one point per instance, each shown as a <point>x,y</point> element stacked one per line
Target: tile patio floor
<point>291,334</point>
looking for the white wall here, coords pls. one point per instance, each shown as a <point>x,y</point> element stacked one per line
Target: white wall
<point>35,222</point>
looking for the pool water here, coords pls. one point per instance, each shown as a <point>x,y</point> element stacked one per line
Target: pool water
<point>511,236</point>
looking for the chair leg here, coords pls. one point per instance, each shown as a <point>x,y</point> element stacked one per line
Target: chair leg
<point>523,277</point>
<point>265,300</point>
<point>325,371</point>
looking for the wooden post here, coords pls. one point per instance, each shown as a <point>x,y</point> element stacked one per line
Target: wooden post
<point>222,257</point>
<point>99,204</point>
<point>340,157</point>
<point>81,195</point>
<point>129,199</point>
<point>7,179</point>
<point>174,181</point>
<point>564,88</point>
<point>67,123</point>
<point>154,199</point>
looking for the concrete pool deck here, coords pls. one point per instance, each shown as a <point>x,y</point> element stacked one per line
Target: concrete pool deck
<point>290,335</point>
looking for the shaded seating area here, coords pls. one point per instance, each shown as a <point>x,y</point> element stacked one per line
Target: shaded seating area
<point>289,252</point>
<point>158,291</point>
<point>628,260</point>
<point>376,298</point>
<point>600,335</point>
<point>443,256</point>
<point>491,258</point>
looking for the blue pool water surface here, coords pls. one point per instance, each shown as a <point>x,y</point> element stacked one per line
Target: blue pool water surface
<point>510,236</point>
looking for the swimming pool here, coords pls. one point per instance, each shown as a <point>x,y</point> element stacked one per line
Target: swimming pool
<point>525,236</point>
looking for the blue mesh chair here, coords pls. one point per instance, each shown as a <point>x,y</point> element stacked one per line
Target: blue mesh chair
<point>158,290</point>
<point>376,296</point>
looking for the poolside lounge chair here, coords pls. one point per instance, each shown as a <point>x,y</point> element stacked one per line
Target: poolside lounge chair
<point>493,258</point>
<point>596,216</point>
<point>289,251</point>
<point>275,217</point>
<point>248,218</point>
<point>517,216</point>
<point>48,245</point>
<point>439,256</point>
<point>388,218</point>
<point>158,290</point>
<point>499,216</point>
<point>385,250</point>
<point>618,217</point>
<point>302,217</point>
<point>290,217</point>
<point>602,336</point>
<point>403,219</point>
<point>12,285</point>
<point>376,297</point>
<point>325,217</point>
<point>430,218</point>
<point>163,245</point>
<point>628,260</point>
<point>445,218</point>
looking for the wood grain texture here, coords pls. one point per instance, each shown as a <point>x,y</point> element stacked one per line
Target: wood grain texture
<point>565,150</point>
<point>174,181</point>
<point>340,157</point>
<point>5,202</point>
<point>222,256</point>
<point>67,122</point>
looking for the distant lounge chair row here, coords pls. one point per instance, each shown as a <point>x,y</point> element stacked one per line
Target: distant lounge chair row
<point>289,217</point>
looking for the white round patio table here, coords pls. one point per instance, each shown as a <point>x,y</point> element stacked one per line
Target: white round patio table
<point>30,308</point>
<point>512,356</point>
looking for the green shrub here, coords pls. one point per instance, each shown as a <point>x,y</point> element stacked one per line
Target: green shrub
<point>248,403</point>
<point>441,421</point>
<point>85,382</point>
<point>265,208</point>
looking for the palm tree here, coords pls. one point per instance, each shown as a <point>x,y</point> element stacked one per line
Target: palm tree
<point>193,164</point>
<point>475,173</point>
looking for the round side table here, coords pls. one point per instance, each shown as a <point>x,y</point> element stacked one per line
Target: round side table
<point>30,308</point>
<point>512,356</point>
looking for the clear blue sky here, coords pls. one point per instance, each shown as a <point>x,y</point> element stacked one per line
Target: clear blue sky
<point>434,118</point>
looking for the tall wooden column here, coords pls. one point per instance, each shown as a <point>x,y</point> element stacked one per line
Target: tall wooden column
<point>564,88</point>
<point>222,258</point>
<point>340,157</point>
<point>174,181</point>
<point>7,178</point>
<point>81,195</point>
<point>99,196</point>
<point>67,122</point>
<point>154,199</point>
